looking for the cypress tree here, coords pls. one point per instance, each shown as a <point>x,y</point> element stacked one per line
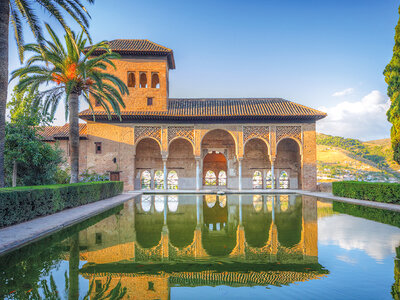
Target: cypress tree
<point>392,78</point>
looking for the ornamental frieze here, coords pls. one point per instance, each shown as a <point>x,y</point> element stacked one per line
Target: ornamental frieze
<point>288,132</point>
<point>250,132</point>
<point>181,131</point>
<point>148,131</point>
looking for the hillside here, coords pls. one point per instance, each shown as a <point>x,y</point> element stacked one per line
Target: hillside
<point>341,158</point>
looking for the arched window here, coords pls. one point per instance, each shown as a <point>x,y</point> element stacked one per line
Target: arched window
<point>222,178</point>
<point>257,202</point>
<point>284,201</point>
<point>159,180</point>
<point>172,180</point>
<point>210,200</point>
<point>173,203</point>
<point>284,180</point>
<point>155,81</point>
<point>257,180</point>
<point>159,203</point>
<point>143,80</point>
<point>131,79</point>
<point>268,180</point>
<point>210,178</point>
<point>146,203</point>
<point>145,180</point>
<point>222,200</point>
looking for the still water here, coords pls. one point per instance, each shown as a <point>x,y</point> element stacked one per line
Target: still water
<point>214,247</point>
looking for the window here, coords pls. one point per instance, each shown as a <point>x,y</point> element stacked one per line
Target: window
<point>149,101</point>
<point>97,103</point>
<point>99,286</point>
<point>284,201</point>
<point>146,203</point>
<point>159,203</point>
<point>98,238</point>
<point>143,80</point>
<point>284,180</point>
<point>257,203</point>
<point>131,79</point>
<point>98,147</point>
<point>145,180</point>
<point>222,200</point>
<point>159,180</point>
<point>268,180</point>
<point>210,178</point>
<point>155,81</point>
<point>210,200</point>
<point>150,286</point>
<point>173,203</point>
<point>222,178</point>
<point>172,180</point>
<point>257,180</point>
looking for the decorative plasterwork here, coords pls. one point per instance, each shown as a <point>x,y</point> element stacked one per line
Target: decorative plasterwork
<point>288,132</point>
<point>250,132</point>
<point>181,131</point>
<point>148,131</point>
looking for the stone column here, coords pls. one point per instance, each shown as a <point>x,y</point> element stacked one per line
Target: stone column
<point>165,174</point>
<point>198,185</point>
<point>240,174</point>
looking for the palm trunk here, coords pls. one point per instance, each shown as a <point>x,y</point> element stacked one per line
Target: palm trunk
<point>14,175</point>
<point>74,136</point>
<point>4,21</point>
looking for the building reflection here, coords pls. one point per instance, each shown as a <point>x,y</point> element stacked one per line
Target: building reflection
<point>162,241</point>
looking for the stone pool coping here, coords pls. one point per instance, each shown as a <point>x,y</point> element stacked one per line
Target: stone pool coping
<point>18,235</point>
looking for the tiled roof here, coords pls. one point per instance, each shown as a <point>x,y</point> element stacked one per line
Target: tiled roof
<point>52,133</point>
<point>141,47</point>
<point>235,109</point>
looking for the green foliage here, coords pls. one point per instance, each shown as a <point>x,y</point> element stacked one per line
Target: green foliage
<point>374,214</point>
<point>62,176</point>
<point>87,176</point>
<point>374,191</point>
<point>392,78</point>
<point>62,70</point>
<point>24,109</point>
<point>37,161</point>
<point>25,203</point>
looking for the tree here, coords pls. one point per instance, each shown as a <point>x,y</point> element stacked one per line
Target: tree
<point>69,72</point>
<point>19,12</point>
<point>392,78</point>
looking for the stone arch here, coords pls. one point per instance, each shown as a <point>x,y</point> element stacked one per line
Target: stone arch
<point>289,223</point>
<point>256,158</point>
<point>256,223</point>
<point>155,81</point>
<point>147,157</point>
<point>289,159</point>
<point>182,160</point>
<point>259,138</point>
<point>143,80</point>
<point>184,138</point>
<point>299,143</point>
<point>224,130</point>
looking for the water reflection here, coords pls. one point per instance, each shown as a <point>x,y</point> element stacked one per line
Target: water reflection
<point>160,243</point>
<point>236,240</point>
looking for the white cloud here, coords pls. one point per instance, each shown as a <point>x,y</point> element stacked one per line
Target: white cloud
<point>345,92</point>
<point>364,119</point>
<point>377,240</point>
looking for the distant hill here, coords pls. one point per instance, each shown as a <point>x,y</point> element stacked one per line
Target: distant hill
<point>341,158</point>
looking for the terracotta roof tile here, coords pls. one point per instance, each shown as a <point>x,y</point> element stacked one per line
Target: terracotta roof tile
<point>52,133</point>
<point>141,47</point>
<point>266,109</point>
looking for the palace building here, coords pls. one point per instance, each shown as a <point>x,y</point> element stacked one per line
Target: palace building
<point>161,142</point>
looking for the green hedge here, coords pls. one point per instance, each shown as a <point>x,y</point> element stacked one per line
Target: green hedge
<point>374,191</point>
<point>26,203</point>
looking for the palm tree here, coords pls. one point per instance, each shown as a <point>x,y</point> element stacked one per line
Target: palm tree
<point>19,12</point>
<point>72,71</point>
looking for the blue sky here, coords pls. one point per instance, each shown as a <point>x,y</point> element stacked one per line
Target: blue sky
<point>324,54</point>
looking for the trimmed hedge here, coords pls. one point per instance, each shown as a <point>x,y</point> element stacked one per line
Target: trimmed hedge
<point>374,191</point>
<point>26,203</point>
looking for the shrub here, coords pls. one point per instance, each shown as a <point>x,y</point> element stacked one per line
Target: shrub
<point>374,191</point>
<point>25,203</point>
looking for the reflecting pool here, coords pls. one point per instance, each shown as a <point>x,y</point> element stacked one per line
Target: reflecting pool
<point>214,246</point>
